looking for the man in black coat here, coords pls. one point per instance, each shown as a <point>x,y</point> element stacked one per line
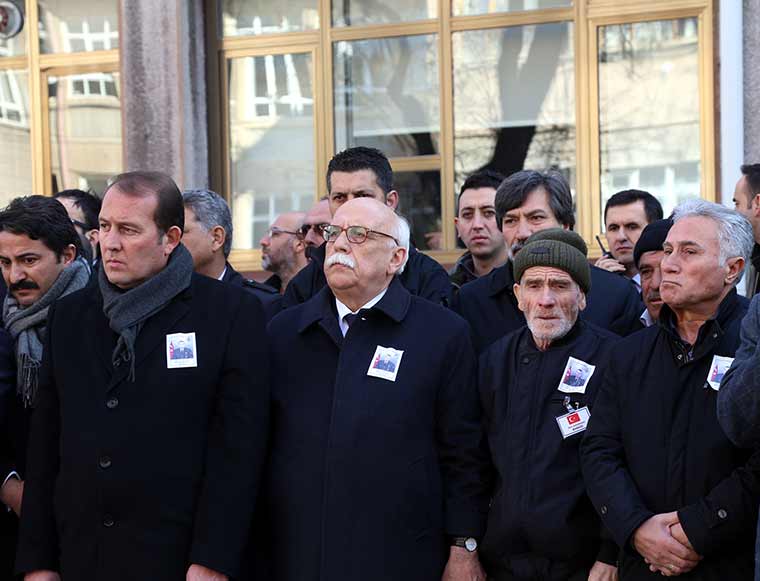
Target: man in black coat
<point>537,387</point>
<point>208,237</point>
<point>377,460</point>
<point>41,262</point>
<point>142,466</point>
<point>527,202</point>
<point>365,172</point>
<point>675,493</point>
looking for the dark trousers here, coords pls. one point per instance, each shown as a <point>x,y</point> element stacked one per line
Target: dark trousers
<point>535,568</point>
<point>8,540</point>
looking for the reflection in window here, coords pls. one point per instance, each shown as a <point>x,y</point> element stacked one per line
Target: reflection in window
<point>78,25</point>
<point>514,100</point>
<point>85,130</point>
<point>472,7</point>
<point>364,12</point>
<point>15,46</point>
<point>16,159</point>
<point>271,148</point>
<point>649,109</point>
<point>420,203</point>
<point>255,17</point>
<point>387,95</point>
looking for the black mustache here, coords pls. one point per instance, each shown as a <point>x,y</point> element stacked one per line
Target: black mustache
<point>23,285</point>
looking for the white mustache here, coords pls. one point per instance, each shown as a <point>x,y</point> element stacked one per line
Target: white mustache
<point>343,259</point>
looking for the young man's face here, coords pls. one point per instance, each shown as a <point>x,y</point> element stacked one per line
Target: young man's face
<point>29,267</point>
<point>623,227</point>
<point>346,186</point>
<point>476,223</point>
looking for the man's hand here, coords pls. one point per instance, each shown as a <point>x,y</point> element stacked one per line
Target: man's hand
<point>11,494</point>
<point>603,572</point>
<point>42,576</point>
<point>201,573</point>
<point>661,551</point>
<point>609,263</point>
<point>463,566</point>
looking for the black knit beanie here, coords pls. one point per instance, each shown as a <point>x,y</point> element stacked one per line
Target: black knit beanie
<point>652,238</point>
<point>557,248</point>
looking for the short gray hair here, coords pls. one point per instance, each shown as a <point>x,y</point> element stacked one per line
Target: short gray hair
<point>735,236</point>
<point>402,234</point>
<point>210,210</point>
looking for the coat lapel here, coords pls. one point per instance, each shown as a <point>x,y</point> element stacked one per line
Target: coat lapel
<point>103,339</point>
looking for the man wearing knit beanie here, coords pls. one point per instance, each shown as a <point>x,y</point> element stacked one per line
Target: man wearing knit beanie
<point>647,256</point>
<point>538,386</point>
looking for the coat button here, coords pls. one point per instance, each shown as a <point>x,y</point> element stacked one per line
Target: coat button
<point>603,509</point>
<point>680,357</point>
<point>526,360</point>
<point>722,514</point>
<point>108,521</point>
<point>112,402</point>
<point>104,462</point>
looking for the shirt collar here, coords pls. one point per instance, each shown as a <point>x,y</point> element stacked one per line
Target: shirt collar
<point>343,310</point>
<point>221,276</point>
<point>646,318</point>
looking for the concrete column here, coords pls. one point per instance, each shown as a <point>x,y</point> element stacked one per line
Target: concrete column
<point>751,81</point>
<point>164,88</point>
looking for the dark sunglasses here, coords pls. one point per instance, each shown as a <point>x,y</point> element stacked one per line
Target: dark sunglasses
<point>318,229</point>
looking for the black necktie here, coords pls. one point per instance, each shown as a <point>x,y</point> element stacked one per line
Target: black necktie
<point>350,318</point>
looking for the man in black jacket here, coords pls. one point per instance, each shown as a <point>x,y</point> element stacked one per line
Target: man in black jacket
<point>141,465</point>
<point>39,255</point>
<point>208,237</point>
<point>537,387</point>
<point>376,465</point>
<point>673,490</point>
<point>365,172</point>
<point>527,202</point>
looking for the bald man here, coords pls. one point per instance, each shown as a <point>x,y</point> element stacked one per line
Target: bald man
<point>317,216</point>
<point>283,251</point>
<point>376,467</point>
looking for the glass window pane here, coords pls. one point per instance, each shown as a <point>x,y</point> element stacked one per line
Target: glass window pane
<point>254,17</point>
<point>78,25</point>
<point>271,148</point>
<point>85,131</point>
<point>514,100</point>
<point>363,12</point>
<point>471,7</point>
<point>16,160</point>
<point>420,203</point>
<point>15,46</point>
<point>649,109</point>
<point>387,95</point>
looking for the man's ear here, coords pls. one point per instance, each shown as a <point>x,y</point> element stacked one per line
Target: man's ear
<point>391,199</point>
<point>516,290</point>
<point>755,205</point>
<point>93,236</point>
<point>397,259</point>
<point>218,238</point>
<point>735,268</point>
<point>581,300</point>
<point>171,239</point>
<point>69,254</point>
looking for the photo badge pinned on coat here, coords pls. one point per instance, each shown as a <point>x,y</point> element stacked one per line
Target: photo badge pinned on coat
<point>181,350</point>
<point>576,376</point>
<point>385,363</point>
<point>718,369</point>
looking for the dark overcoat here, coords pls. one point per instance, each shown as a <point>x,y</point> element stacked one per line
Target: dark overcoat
<point>14,429</point>
<point>490,305</point>
<point>654,445</point>
<point>540,506</point>
<point>423,277</point>
<point>367,476</point>
<point>136,480</point>
<point>271,299</point>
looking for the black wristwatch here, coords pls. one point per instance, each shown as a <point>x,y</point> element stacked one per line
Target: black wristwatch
<point>469,543</point>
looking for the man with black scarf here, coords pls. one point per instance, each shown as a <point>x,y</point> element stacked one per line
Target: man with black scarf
<point>41,263</point>
<point>144,465</point>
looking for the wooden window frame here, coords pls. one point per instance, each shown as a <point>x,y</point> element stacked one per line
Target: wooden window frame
<point>586,16</point>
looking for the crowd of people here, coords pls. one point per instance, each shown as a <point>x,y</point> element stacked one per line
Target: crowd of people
<point>363,414</point>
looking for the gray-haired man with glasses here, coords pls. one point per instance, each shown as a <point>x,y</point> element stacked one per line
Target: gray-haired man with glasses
<point>376,467</point>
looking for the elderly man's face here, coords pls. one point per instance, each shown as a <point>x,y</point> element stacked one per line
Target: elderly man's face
<point>198,240</point>
<point>651,277</point>
<point>550,300</point>
<point>691,270</point>
<point>533,216</point>
<point>366,267</point>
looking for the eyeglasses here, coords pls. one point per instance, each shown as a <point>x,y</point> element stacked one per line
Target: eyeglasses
<point>318,229</point>
<point>355,234</point>
<point>275,231</point>
<point>82,225</point>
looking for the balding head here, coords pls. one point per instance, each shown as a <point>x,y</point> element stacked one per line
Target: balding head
<point>283,251</point>
<point>318,214</point>
<point>358,271</point>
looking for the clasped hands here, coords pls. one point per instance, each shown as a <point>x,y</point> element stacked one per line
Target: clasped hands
<point>664,545</point>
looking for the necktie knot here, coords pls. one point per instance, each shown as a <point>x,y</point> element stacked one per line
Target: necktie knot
<point>350,318</point>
